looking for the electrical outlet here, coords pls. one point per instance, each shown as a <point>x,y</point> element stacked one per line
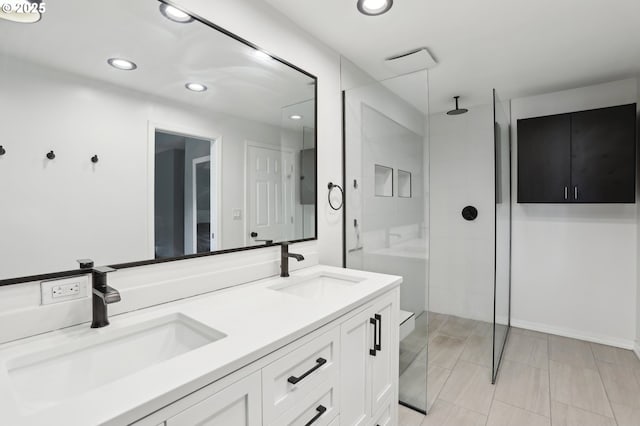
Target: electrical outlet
<point>237,214</point>
<point>63,290</point>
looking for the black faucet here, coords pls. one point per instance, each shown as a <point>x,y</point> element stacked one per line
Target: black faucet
<point>102,294</point>
<point>284,258</point>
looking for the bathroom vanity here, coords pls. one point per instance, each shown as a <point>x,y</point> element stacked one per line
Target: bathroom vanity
<point>319,347</point>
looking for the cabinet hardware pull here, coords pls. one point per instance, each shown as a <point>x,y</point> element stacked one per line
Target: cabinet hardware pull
<point>319,363</point>
<point>566,193</point>
<point>379,320</point>
<point>575,192</point>
<point>372,352</point>
<point>321,410</point>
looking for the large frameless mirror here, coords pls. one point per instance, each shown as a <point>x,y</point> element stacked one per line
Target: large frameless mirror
<point>134,132</point>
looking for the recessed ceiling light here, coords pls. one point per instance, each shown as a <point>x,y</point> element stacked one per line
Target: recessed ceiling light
<point>374,7</point>
<point>122,64</point>
<point>261,55</point>
<point>175,14</point>
<point>196,87</point>
<point>295,117</point>
<point>22,11</point>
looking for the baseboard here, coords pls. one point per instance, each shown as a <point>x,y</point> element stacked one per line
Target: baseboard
<point>581,335</point>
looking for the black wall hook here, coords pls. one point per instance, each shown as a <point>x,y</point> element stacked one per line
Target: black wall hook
<point>2,150</point>
<point>51,155</point>
<point>94,159</point>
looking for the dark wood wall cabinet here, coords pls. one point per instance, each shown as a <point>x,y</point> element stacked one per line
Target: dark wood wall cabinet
<point>579,157</point>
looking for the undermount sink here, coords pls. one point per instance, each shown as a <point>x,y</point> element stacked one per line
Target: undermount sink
<point>43,379</point>
<point>322,284</point>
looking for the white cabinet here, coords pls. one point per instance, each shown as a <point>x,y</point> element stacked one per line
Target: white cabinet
<point>236,405</point>
<point>369,361</point>
<point>345,373</point>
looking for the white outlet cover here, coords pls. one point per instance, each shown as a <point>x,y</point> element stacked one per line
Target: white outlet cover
<point>46,289</point>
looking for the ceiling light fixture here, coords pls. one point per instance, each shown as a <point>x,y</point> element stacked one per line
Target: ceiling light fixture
<point>174,14</point>
<point>22,11</point>
<point>122,64</point>
<point>295,117</point>
<point>374,7</point>
<point>196,87</point>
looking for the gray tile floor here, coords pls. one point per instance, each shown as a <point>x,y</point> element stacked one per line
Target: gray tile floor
<point>544,379</point>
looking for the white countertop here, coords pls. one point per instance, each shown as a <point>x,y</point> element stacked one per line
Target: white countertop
<point>256,319</point>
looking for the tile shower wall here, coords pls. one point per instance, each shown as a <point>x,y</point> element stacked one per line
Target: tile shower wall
<point>462,173</point>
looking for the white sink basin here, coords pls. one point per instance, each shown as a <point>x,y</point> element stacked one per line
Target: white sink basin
<point>45,378</point>
<point>319,285</point>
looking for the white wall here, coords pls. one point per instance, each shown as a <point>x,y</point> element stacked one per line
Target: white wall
<point>574,266</point>
<point>462,252</point>
<point>257,22</point>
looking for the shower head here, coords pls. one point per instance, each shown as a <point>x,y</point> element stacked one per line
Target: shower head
<point>457,111</point>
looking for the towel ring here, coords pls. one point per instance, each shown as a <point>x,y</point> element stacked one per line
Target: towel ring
<point>331,186</point>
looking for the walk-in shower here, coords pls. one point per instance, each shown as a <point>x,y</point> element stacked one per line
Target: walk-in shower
<point>427,197</point>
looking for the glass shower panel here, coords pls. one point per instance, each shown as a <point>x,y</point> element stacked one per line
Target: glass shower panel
<point>502,285</point>
<point>387,204</point>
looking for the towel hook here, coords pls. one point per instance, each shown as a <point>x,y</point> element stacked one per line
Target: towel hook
<point>51,155</point>
<point>2,150</point>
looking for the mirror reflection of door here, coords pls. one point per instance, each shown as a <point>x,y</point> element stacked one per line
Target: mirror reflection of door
<point>270,193</point>
<point>203,214</point>
<point>185,200</point>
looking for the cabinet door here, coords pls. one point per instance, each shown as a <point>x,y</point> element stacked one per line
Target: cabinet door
<point>544,155</point>
<point>603,161</point>
<point>236,405</point>
<point>355,369</point>
<point>384,371</point>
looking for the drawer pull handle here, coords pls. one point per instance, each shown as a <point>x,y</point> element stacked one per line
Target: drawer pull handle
<point>319,363</point>
<point>321,410</point>
<point>373,321</point>
<point>379,320</point>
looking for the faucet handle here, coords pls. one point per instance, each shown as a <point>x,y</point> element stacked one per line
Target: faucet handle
<point>85,263</point>
<point>103,269</point>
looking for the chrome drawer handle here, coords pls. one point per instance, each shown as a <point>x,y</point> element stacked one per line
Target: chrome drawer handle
<point>319,363</point>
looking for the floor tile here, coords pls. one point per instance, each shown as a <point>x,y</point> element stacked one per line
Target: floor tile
<point>623,357</point>
<point>579,387</point>
<point>483,329</point>
<point>566,415</point>
<point>409,417</point>
<point>626,416</point>
<point>436,380</point>
<point>621,384</point>
<point>458,327</point>
<point>469,386</point>
<point>445,413</point>
<point>530,333</point>
<point>571,351</point>
<point>524,387</point>
<point>528,350</point>
<point>507,415</point>
<point>435,321</point>
<point>445,351</point>
<point>478,349</point>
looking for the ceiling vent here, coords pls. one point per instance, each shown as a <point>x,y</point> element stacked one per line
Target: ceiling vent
<point>414,60</point>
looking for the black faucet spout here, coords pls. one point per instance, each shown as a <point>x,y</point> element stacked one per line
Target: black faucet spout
<point>103,295</point>
<point>284,258</point>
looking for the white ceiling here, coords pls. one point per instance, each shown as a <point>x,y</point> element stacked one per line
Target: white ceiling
<point>520,47</point>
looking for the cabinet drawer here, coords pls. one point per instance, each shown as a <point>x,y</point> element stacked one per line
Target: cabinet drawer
<point>384,416</point>
<point>318,408</point>
<point>289,379</point>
